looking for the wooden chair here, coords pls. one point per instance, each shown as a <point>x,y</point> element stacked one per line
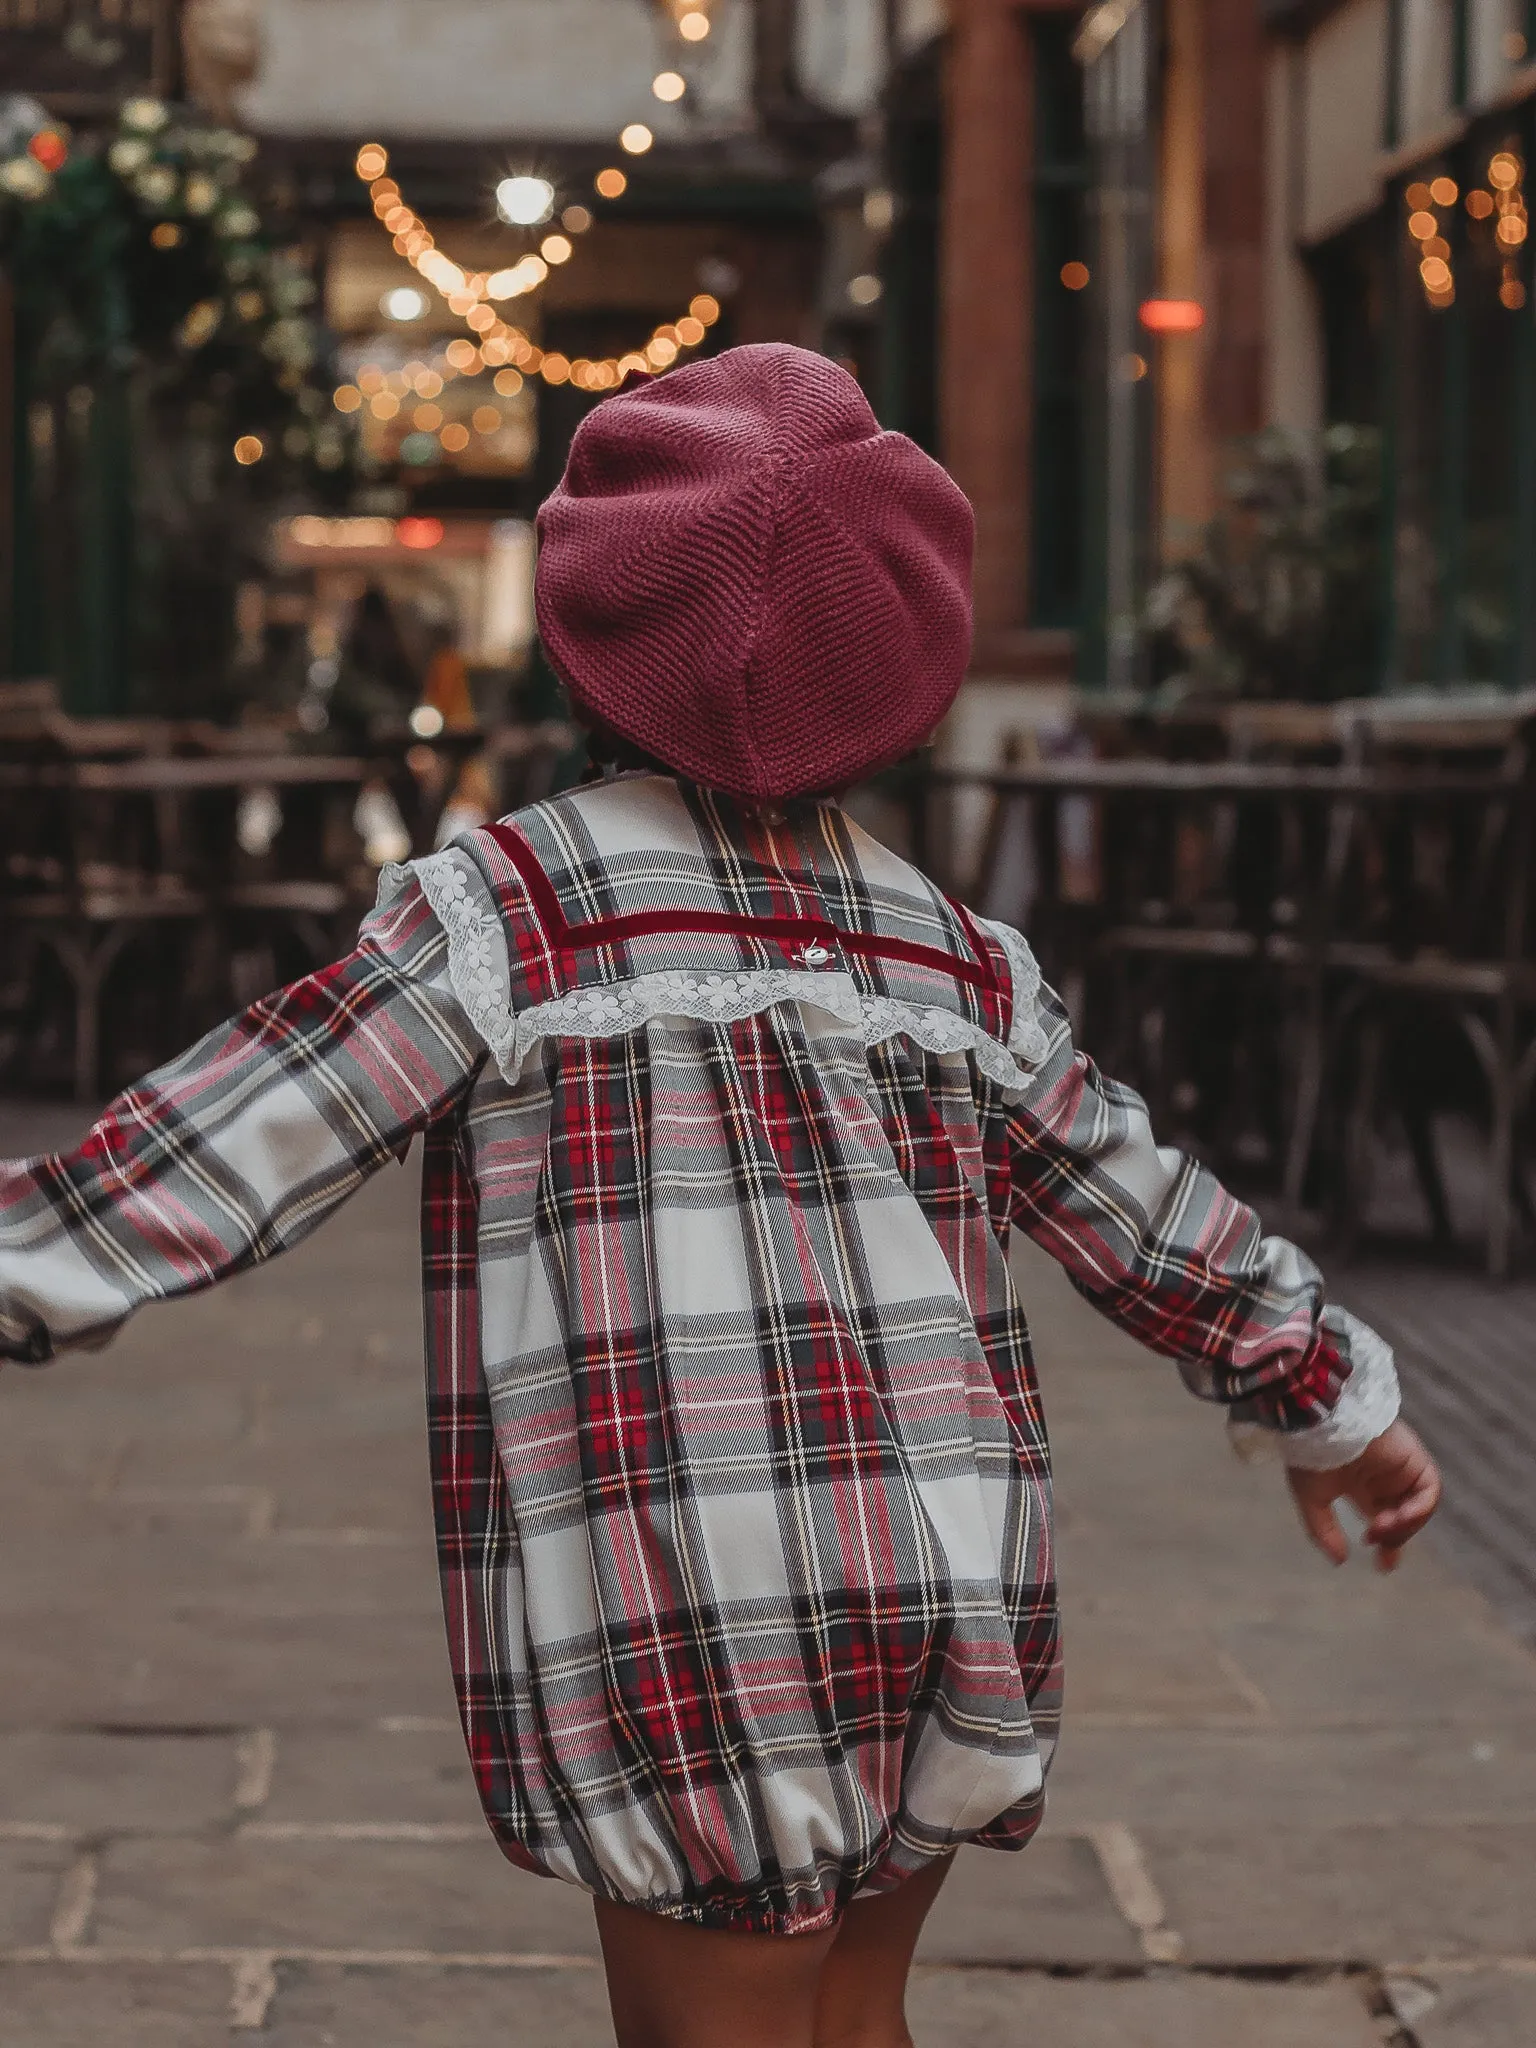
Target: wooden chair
<point>92,869</point>
<point>1432,930</point>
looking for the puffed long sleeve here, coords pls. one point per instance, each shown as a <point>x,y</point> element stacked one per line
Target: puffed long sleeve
<point>1153,1239</point>
<point>240,1147</point>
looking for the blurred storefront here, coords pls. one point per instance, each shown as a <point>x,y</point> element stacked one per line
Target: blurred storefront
<point>1310,224</point>
<point>492,216</point>
<point>1403,139</point>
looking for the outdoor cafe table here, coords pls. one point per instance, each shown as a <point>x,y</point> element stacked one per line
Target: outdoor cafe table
<point>95,854</point>
<point>1379,896</point>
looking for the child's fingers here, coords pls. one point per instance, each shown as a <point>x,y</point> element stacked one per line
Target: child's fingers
<point>1322,1525</point>
<point>1392,1527</point>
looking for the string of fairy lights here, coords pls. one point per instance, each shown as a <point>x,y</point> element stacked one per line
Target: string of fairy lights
<point>495,343</point>
<point>1501,200</point>
<point>473,295</point>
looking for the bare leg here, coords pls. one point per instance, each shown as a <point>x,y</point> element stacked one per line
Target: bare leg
<point>863,2002</point>
<point>672,1985</point>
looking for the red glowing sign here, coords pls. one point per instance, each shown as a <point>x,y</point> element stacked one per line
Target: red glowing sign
<point>49,149</point>
<point>1172,316</point>
<point>419,533</point>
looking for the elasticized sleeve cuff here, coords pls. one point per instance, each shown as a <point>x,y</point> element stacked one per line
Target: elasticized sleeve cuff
<point>1368,1404</point>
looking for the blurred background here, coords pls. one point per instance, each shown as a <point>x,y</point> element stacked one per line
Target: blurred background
<point>1221,312</point>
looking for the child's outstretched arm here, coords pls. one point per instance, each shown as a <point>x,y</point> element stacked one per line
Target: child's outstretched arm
<point>1153,1239</point>
<point>239,1148</point>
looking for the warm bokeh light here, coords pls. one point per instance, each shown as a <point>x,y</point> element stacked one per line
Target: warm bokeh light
<point>555,368</point>
<point>1436,273</point>
<point>1171,316</point>
<point>555,249</point>
<point>1479,203</point>
<point>249,449</point>
<point>508,382</point>
<point>1511,230</point>
<point>1443,191</point>
<point>1418,196</point>
<point>49,149</point>
<point>693,26</point>
<point>1422,225</point>
<point>422,533</point>
<point>404,302</point>
<point>1512,294</point>
<point>636,138</point>
<point>706,307</point>
<point>165,234</point>
<point>461,353</point>
<point>455,438</point>
<point>370,378</point>
<point>427,383</point>
<point>669,86</point>
<point>1503,171</point>
<point>576,220</point>
<point>1437,245</point>
<point>1074,276</point>
<point>372,162</point>
<point>426,419</point>
<point>690,332</point>
<point>1133,368</point>
<point>610,183</point>
<point>384,405</point>
<point>660,351</point>
<point>485,419</point>
<point>525,201</point>
<point>346,398</point>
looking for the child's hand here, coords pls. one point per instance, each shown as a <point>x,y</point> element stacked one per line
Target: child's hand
<point>1394,1483</point>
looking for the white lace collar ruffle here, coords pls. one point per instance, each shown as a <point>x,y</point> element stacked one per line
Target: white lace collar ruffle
<point>480,973</point>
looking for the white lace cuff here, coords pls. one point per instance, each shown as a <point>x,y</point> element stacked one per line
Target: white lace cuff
<point>1368,1404</point>
<point>480,973</point>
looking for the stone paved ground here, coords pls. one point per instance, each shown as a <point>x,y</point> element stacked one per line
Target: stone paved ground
<point>1294,1808</point>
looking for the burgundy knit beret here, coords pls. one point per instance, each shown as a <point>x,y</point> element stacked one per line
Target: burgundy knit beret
<point>745,577</point>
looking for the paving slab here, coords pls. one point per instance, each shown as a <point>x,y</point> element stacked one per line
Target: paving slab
<point>1128,1656</point>
<point>381,1483</point>
<point>181,1568</point>
<point>1046,1903</point>
<point>146,1666</point>
<point>431,2008</point>
<point>1414,1648</point>
<point>412,1773</point>
<point>1487,2009</point>
<point>1289,1895</point>
<point>1285,1776</point>
<point>148,1782</point>
<point>30,1873</point>
<point>130,2005</point>
<point>454,1897</point>
<point>996,2009</point>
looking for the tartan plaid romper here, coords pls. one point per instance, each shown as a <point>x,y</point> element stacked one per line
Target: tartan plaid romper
<point>741,1481</point>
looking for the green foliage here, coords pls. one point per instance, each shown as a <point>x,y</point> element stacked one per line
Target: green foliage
<point>163,312</point>
<point>147,252</point>
<point>1282,597</point>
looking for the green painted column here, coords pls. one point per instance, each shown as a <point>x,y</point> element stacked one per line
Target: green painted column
<point>27,652</point>
<point>104,576</point>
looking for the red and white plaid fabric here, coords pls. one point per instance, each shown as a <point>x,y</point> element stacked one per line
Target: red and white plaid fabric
<point>741,1480</point>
